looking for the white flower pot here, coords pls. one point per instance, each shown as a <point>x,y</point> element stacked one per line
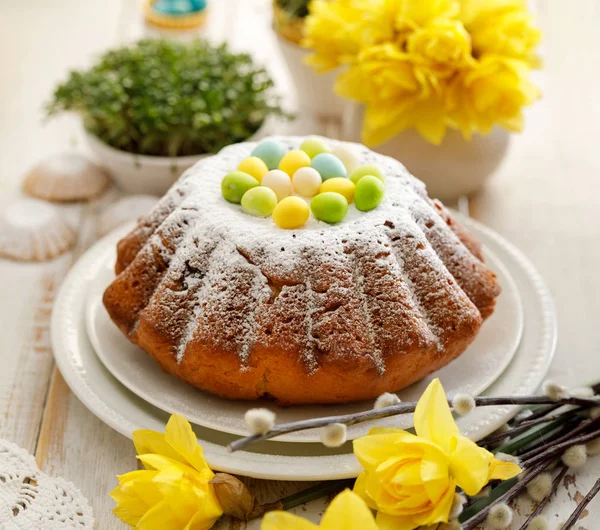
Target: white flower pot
<point>314,92</point>
<point>455,167</point>
<point>142,174</point>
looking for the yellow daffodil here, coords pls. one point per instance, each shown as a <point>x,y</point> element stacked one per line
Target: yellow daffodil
<point>411,479</point>
<point>502,27</point>
<point>337,31</point>
<point>174,491</point>
<point>347,511</point>
<point>493,91</point>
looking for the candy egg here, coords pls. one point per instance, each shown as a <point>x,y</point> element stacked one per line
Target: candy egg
<point>279,181</point>
<point>330,207</point>
<point>369,169</point>
<point>340,185</point>
<point>313,147</point>
<point>291,212</point>
<point>348,156</point>
<point>259,201</point>
<point>328,166</point>
<point>306,181</point>
<point>254,166</point>
<point>368,193</point>
<point>235,184</point>
<point>293,161</point>
<point>270,152</point>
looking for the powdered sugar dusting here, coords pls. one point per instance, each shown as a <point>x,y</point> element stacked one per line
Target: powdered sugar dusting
<point>368,287</point>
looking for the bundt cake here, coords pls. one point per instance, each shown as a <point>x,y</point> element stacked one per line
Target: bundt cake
<point>326,313</point>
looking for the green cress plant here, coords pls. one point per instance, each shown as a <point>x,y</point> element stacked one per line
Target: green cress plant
<point>165,98</point>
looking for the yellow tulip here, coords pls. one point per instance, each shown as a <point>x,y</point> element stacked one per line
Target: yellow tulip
<point>411,479</point>
<point>174,491</point>
<point>347,511</point>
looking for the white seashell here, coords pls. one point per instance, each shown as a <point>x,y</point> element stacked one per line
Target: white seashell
<point>31,230</point>
<point>65,177</point>
<point>123,211</point>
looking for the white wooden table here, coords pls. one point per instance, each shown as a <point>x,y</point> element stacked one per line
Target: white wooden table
<point>544,199</point>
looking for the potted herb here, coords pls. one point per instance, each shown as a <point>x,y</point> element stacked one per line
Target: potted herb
<point>153,109</point>
<point>314,91</point>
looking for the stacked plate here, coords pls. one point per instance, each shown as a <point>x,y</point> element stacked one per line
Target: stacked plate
<point>125,388</point>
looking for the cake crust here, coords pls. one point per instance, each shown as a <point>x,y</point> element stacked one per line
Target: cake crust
<point>323,314</point>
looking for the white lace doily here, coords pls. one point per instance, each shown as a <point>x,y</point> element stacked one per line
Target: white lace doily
<point>32,500</point>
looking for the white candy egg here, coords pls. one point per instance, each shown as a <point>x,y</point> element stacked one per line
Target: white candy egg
<point>306,181</point>
<point>348,157</point>
<point>279,181</point>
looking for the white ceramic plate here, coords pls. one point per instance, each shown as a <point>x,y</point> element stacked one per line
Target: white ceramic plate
<point>472,372</point>
<point>125,412</point>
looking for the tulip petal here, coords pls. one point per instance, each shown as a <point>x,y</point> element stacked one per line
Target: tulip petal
<point>395,522</point>
<point>433,419</point>
<point>146,441</point>
<point>469,465</point>
<point>180,436</point>
<point>285,521</point>
<point>348,511</point>
<point>503,470</point>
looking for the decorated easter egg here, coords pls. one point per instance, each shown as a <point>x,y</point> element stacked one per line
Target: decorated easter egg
<point>235,184</point>
<point>254,166</point>
<point>279,181</point>
<point>330,207</point>
<point>291,212</point>
<point>329,166</point>
<point>340,185</point>
<point>369,169</point>
<point>306,181</point>
<point>270,152</point>
<point>293,161</point>
<point>313,147</point>
<point>259,201</point>
<point>368,193</point>
<point>348,156</point>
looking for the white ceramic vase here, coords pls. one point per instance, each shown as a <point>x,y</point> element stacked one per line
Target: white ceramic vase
<point>143,174</point>
<point>455,167</point>
<point>314,92</point>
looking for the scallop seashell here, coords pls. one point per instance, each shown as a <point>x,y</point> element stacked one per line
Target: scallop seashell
<point>32,230</point>
<point>124,211</point>
<point>66,177</point>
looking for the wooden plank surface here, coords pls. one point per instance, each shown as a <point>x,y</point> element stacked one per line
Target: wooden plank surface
<point>544,199</point>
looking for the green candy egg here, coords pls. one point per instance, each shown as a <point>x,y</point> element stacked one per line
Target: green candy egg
<point>369,169</point>
<point>330,207</point>
<point>235,184</point>
<point>259,201</point>
<point>270,152</point>
<point>368,193</point>
<point>329,166</point>
<point>313,147</point>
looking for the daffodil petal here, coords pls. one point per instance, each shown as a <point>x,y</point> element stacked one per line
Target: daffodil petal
<point>360,488</point>
<point>440,511</point>
<point>373,449</point>
<point>348,511</point>
<point>147,442</point>
<point>433,419</point>
<point>503,470</point>
<point>434,474</point>
<point>180,436</point>
<point>160,462</point>
<point>203,519</point>
<point>469,465</point>
<point>135,495</point>
<point>285,521</point>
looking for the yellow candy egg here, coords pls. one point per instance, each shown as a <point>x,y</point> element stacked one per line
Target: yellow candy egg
<point>291,212</point>
<point>293,161</point>
<point>254,166</point>
<point>339,185</point>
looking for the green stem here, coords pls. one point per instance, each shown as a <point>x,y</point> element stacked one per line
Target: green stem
<point>317,491</point>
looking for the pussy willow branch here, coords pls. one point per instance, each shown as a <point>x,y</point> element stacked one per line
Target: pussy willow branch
<point>400,408</point>
<point>521,428</point>
<point>478,518</point>
<point>574,517</point>
<point>555,483</point>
